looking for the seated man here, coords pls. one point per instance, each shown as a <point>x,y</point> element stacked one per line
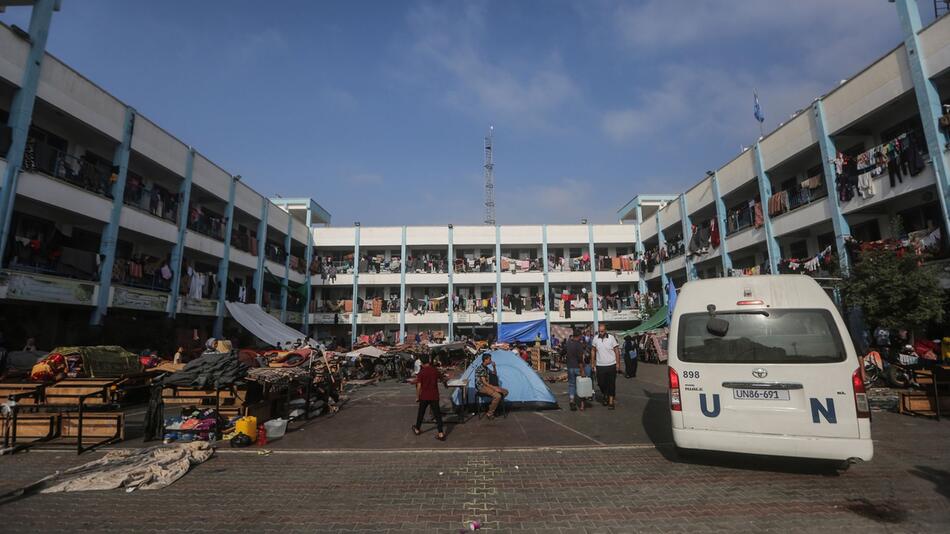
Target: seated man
<point>486,381</point>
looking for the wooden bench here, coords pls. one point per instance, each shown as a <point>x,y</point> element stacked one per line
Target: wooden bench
<point>30,428</point>
<point>69,391</point>
<point>19,388</point>
<point>99,428</point>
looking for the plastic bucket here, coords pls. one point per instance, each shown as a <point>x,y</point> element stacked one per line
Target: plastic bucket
<point>275,428</point>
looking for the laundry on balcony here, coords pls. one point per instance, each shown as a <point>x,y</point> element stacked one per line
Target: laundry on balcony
<point>899,157</point>
<point>778,203</point>
<point>141,271</point>
<point>811,265</point>
<point>204,222</point>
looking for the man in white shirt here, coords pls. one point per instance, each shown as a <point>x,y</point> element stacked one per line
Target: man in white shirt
<point>605,352</point>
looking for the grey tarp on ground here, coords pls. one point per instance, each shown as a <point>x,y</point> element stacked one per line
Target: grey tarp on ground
<point>147,469</point>
<point>263,325</point>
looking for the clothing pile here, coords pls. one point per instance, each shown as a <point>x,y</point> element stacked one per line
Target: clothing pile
<point>198,425</point>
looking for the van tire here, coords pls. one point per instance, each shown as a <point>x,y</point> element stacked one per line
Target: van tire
<point>683,455</point>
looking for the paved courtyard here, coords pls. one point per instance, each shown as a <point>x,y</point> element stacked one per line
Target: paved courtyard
<point>553,471</point>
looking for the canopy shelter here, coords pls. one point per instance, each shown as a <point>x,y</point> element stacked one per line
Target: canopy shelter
<point>657,320</point>
<point>525,332</point>
<point>263,325</point>
<point>525,387</point>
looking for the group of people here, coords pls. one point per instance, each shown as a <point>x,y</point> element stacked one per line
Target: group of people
<point>597,356</point>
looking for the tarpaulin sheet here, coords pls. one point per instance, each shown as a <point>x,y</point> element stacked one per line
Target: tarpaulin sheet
<point>525,332</point>
<point>107,361</point>
<point>657,320</point>
<point>263,325</point>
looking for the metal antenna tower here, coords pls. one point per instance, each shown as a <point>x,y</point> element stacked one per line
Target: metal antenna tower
<point>489,181</point>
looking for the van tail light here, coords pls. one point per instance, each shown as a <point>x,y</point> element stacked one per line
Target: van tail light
<point>675,403</point>
<point>860,395</point>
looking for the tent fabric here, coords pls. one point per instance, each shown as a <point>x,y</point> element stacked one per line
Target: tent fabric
<point>657,320</point>
<point>524,332</point>
<point>525,387</point>
<point>103,361</point>
<point>263,325</point>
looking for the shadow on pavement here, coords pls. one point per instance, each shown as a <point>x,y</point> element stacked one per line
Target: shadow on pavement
<point>939,477</point>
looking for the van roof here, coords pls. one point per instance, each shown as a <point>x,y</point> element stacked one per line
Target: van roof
<point>777,291</point>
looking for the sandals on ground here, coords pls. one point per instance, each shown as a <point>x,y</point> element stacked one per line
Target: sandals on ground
<point>440,436</point>
<point>416,430</point>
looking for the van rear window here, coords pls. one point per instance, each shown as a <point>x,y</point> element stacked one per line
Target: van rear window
<point>769,336</point>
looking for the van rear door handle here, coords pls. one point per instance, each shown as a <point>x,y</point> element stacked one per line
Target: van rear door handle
<point>762,385</point>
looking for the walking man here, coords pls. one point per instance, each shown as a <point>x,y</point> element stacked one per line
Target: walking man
<point>605,351</point>
<point>486,379</point>
<point>629,357</point>
<point>577,365</point>
<point>427,394</point>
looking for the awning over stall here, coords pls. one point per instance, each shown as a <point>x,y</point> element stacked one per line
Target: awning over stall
<point>657,320</point>
<point>263,325</point>
<point>526,332</point>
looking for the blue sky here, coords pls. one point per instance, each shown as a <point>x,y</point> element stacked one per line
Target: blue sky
<point>378,109</point>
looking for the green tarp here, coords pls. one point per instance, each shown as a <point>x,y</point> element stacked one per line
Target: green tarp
<point>104,361</point>
<point>657,320</point>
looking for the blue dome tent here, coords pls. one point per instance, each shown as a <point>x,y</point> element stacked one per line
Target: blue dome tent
<point>525,387</point>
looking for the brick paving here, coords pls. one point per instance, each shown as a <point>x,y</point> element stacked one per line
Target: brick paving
<point>639,486</point>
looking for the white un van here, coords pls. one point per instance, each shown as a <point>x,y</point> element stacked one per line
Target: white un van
<point>765,365</point>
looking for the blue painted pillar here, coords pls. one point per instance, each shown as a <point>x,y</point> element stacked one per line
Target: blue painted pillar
<point>225,259</point>
<point>498,306</point>
<point>356,283</point>
<point>661,240</point>
<point>687,237</point>
<point>261,252</point>
<point>765,193</point>
<point>451,297</point>
<point>593,275</point>
<point>547,284</point>
<point>308,278</point>
<point>641,279</point>
<point>178,251</point>
<point>21,112</point>
<point>721,223</point>
<point>928,103</point>
<point>110,234</point>
<point>828,154</point>
<point>285,284</point>
<point>402,288</point>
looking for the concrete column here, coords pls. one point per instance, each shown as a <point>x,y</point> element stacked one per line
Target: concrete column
<point>285,285</point>
<point>547,285</point>
<point>308,278</point>
<point>765,193</point>
<point>21,112</point>
<point>928,103</point>
<point>687,237</point>
<point>593,275</point>
<point>261,251</point>
<point>828,154</point>
<point>498,315</point>
<point>641,280</point>
<point>110,234</point>
<point>721,223</point>
<point>451,307</point>
<point>225,260</point>
<point>178,251</point>
<point>356,283</point>
<point>661,240</point>
<point>402,288</point>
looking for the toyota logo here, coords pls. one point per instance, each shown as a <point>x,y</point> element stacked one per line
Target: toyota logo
<point>760,372</point>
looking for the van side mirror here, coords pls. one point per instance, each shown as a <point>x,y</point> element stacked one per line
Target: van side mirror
<point>717,327</point>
